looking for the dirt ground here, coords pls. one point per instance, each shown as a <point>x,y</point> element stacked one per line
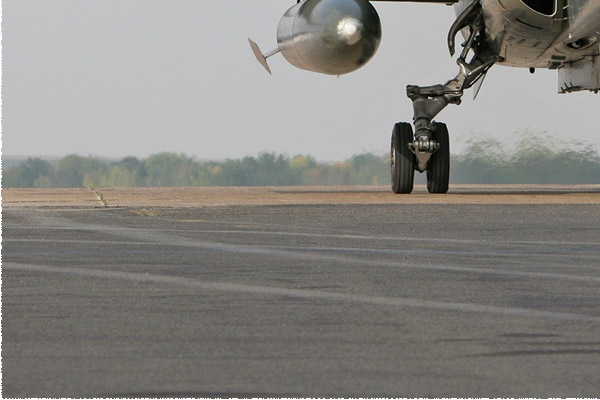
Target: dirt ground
<point>223,196</point>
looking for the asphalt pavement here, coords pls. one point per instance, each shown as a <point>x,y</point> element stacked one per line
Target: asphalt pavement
<point>302,300</point>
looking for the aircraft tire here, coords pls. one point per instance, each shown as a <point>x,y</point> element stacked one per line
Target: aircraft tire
<point>403,161</point>
<point>438,171</point>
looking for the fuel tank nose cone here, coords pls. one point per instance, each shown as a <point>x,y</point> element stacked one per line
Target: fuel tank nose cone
<point>350,30</point>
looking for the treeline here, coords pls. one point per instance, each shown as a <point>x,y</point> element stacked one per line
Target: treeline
<point>170,169</point>
<point>533,160</point>
<point>484,161</point>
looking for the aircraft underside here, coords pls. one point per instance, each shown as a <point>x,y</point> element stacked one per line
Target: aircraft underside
<point>339,36</point>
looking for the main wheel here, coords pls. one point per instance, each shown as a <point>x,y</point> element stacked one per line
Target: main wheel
<point>403,160</point>
<point>438,170</point>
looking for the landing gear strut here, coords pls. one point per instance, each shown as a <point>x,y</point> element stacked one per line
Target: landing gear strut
<point>429,149</point>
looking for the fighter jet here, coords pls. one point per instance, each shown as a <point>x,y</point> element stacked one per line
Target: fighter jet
<point>336,37</point>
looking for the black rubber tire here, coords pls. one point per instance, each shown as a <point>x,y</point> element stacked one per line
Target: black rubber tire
<point>438,170</point>
<point>403,161</point>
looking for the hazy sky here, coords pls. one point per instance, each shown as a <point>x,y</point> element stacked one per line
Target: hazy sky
<point>114,78</point>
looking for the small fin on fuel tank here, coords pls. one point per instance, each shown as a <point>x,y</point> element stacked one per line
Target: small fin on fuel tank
<point>260,57</point>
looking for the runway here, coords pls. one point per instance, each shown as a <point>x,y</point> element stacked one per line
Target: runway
<point>301,292</point>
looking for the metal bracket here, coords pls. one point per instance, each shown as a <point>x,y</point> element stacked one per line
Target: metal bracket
<point>423,147</point>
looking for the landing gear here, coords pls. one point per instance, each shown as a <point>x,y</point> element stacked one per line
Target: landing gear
<point>438,172</point>
<point>402,158</point>
<point>430,145</point>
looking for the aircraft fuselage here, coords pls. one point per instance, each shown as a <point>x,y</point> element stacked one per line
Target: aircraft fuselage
<point>541,33</point>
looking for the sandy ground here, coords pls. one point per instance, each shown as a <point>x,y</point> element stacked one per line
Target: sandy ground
<point>222,196</point>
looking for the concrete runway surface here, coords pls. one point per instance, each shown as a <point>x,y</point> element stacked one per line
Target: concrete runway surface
<point>301,292</point>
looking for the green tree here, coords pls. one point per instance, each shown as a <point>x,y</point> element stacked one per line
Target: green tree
<point>129,172</point>
<point>306,169</point>
<point>534,159</point>
<point>369,169</point>
<point>34,172</point>
<point>484,161</point>
<point>77,171</point>
<point>539,159</point>
<point>335,174</point>
<point>275,170</point>
<point>169,169</point>
<point>268,169</point>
